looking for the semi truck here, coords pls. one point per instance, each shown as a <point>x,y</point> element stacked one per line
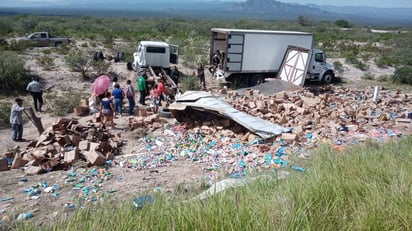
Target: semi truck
<point>249,56</point>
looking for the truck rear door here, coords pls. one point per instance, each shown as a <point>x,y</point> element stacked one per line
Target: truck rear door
<point>174,54</point>
<point>234,56</point>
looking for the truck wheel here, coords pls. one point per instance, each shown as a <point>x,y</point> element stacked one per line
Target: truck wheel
<point>98,55</point>
<point>327,77</point>
<point>165,112</point>
<point>259,80</point>
<point>119,56</point>
<point>58,44</point>
<point>129,66</point>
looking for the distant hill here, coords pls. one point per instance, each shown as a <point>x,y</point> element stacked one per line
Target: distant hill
<point>250,9</point>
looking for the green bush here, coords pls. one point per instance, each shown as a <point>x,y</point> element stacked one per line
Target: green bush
<point>79,61</point>
<point>20,45</point>
<point>368,76</point>
<point>343,23</point>
<point>5,109</point>
<point>190,83</point>
<point>403,75</point>
<point>64,103</point>
<point>101,67</point>
<point>13,76</point>
<point>338,67</point>
<point>384,78</point>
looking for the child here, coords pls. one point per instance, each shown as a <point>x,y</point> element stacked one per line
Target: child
<point>155,97</point>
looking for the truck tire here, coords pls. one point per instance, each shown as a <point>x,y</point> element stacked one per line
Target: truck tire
<point>258,79</point>
<point>98,55</point>
<point>129,66</point>
<point>119,57</point>
<point>327,77</point>
<point>164,112</point>
<point>58,44</point>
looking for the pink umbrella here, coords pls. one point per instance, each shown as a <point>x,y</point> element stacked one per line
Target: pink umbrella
<point>101,84</point>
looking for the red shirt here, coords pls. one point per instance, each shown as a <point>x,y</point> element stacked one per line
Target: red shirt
<point>160,88</point>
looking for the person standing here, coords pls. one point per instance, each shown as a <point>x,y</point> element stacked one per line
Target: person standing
<point>160,90</point>
<point>174,74</point>
<point>130,96</point>
<point>107,109</point>
<point>142,87</point>
<point>118,95</point>
<point>16,119</point>
<point>201,75</point>
<point>36,91</point>
<point>154,96</point>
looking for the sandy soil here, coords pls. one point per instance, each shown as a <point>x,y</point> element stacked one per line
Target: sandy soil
<point>121,182</point>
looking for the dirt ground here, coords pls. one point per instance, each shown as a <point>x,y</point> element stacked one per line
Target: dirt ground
<point>18,192</point>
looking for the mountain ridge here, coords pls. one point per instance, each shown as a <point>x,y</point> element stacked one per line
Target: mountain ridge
<point>250,9</point>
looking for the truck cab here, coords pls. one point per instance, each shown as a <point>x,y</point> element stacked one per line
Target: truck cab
<point>319,69</point>
<point>41,38</point>
<point>155,54</point>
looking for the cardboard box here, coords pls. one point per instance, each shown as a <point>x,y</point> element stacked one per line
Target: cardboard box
<point>3,164</point>
<point>81,111</point>
<point>84,103</point>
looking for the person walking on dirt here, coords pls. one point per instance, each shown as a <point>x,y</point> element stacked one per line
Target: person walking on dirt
<point>201,75</point>
<point>107,109</point>
<point>36,91</point>
<point>118,95</point>
<point>142,87</point>
<point>130,96</point>
<point>16,120</point>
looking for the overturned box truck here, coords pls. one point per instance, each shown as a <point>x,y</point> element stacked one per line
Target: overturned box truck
<point>250,56</point>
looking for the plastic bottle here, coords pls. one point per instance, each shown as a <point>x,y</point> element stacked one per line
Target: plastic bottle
<point>297,168</point>
<point>24,216</point>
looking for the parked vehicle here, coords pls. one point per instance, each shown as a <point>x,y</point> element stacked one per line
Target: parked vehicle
<point>250,56</point>
<point>158,55</point>
<point>44,39</point>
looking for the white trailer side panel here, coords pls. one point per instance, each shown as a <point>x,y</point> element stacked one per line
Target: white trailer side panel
<point>265,52</point>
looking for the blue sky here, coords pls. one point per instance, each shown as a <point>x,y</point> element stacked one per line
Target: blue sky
<point>375,3</point>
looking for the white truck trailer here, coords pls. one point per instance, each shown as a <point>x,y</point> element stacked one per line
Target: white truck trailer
<point>250,56</point>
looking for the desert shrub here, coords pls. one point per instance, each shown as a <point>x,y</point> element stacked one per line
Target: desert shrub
<point>384,78</point>
<point>190,83</point>
<point>368,76</point>
<point>101,66</point>
<point>79,61</point>
<point>343,23</point>
<point>338,67</point>
<point>20,45</point>
<point>46,62</point>
<point>5,109</point>
<point>384,61</point>
<point>64,49</point>
<point>403,75</point>
<point>46,51</point>
<point>13,76</point>
<point>64,103</point>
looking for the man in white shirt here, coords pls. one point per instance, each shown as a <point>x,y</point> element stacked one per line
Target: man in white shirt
<point>36,91</point>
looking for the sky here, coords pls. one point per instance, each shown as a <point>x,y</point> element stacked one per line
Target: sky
<point>373,3</point>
